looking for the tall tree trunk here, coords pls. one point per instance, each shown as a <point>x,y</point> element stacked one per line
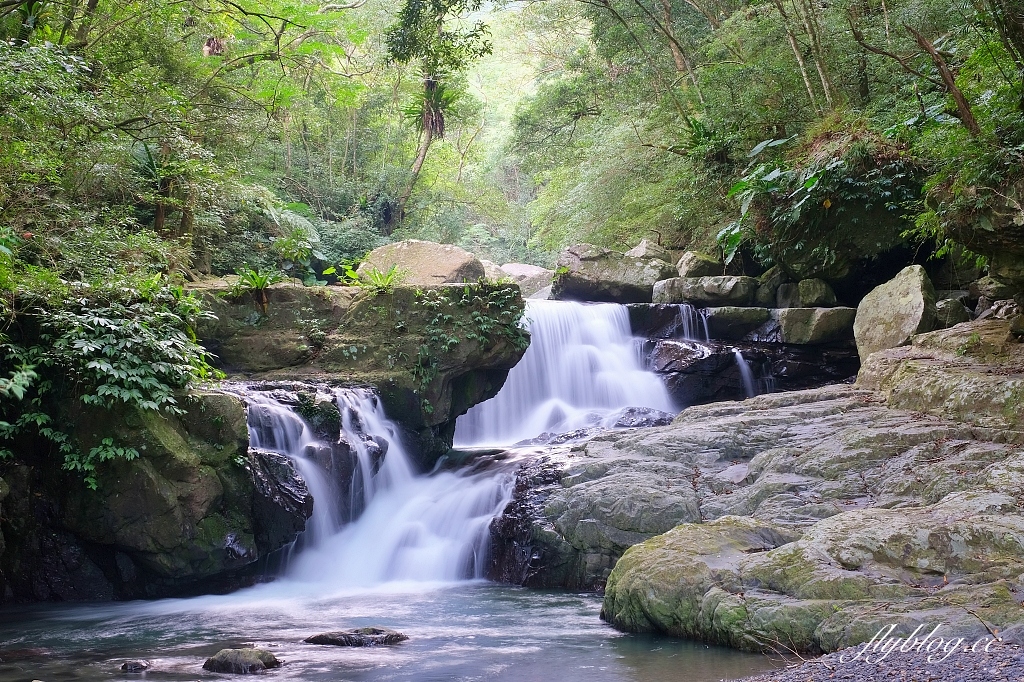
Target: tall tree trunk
<point>806,12</point>
<point>682,63</point>
<point>85,24</point>
<point>963,107</point>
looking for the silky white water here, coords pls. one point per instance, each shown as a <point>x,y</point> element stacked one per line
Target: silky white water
<point>746,374</point>
<point>407,527</point>
<point>583,364</point>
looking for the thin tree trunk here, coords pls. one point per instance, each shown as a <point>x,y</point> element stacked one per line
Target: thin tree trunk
<point>796,53</point>
<point>85,25</point>
<point>806,13</point>
<point>680,59</point>
<point>963,107</point>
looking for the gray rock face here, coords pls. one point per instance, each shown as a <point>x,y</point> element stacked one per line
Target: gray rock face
<point>592,273</point>
<point>368,636</point>
<point>648,249</point>
<point>543,294</point>
<point>241,661</point>
<point>807,293</point>
<point>893,312</point>
<point>950,312</point>
<point>707,291</point>
<point>423,263</point>
<point>696,264</point>
<point>734,323</point>
<point>530,278</point>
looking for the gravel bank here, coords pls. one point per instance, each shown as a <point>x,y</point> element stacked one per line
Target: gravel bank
<point>1002,663</point>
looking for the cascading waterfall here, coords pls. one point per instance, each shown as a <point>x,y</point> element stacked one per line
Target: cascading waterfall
<point>583,365</point>
<point>407,526</point>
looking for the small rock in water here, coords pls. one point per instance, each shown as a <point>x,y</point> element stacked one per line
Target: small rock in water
<point>135,666</point>
<point>241,661</point>
<point>371,636</point>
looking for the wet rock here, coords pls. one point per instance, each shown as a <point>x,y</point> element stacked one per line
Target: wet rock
<point>424,263</point>
<point>282,503</point>
<point>241,661</point>
<point>135,666</point>
<point>530,278</point>
<point>807,293</point>
<point>734,322</point>
<point>637,417</point>
<point>707,291</point>
<point>1000,310</point>
<point>368,636</point>
<point>950,312</point>
<point>592,273</point>
<point>893,312</point>
<point>648,249</point>
<point>696,264</point>
<point>768,287</point>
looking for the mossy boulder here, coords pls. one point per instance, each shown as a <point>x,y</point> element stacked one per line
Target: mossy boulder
<point>241,661</point>
<point>893,312</point>
<point>696,264</point>
<point>813,326</point>
<point>807,293</point>
<point>734,322</point>
<point>950,312</point>
<point>432,352</point>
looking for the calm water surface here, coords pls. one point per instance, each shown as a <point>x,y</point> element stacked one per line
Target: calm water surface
<point>465,631</point>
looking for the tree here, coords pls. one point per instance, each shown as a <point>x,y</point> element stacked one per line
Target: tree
<point>428,32</point>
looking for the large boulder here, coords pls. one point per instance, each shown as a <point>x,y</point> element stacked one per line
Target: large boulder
<point>696,264</point>
<point>367,636</point>
<point>648,249</point>
<point>992,288</point>
<point>530,278</point>
<point>807,293</point>
<point>707,291</point>
<point>592,273</point>
<point>950,312</point>
<point>493,271</point>
<point>424,263</point>
<point>768,286</point>
<point>894,312</point>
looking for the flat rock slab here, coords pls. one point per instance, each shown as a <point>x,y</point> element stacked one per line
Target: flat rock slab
<point>241,661</point>
<point>371,636</point>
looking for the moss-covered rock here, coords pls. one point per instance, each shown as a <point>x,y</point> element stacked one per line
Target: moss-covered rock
<point>893,312</point>
<point>696,264</point>
<point>707,291</point>
<point>431,352</point>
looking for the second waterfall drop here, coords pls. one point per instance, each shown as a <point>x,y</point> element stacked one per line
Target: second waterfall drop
<point>583,364</point>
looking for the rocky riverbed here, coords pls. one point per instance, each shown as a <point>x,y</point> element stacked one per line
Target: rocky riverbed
<point>803,520</point>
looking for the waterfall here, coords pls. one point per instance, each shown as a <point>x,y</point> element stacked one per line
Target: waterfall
<point>747,374</point>
<point>407,526</point>
<point>583,365</point>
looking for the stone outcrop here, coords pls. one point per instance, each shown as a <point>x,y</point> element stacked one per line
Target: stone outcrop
<point>696,264</point>
<point>351,335</point>
<point>530,278</point>
<point>707,291</point>
<point>493,271</point>
<point>424,263</point>
<point>768,285</point>
<point>806,520</point>
<point>197,506</point>
<point>591,273</point>
<point>893,312</point>
<point>809,326</point>
<point>734,322</point>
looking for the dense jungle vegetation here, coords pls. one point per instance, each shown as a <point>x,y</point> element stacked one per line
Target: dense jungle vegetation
<point>144,143</point>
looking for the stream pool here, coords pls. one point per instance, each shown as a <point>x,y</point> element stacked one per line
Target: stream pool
<point>463,631</point>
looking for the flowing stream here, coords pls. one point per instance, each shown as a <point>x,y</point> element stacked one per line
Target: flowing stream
<point>390,546</point>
